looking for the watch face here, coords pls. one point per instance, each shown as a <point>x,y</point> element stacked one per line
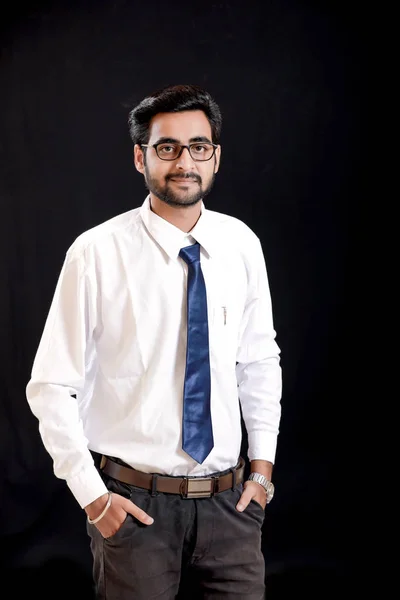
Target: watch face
<point>270,491</point>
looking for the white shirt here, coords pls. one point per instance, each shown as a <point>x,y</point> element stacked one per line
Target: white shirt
<point>115,337</point>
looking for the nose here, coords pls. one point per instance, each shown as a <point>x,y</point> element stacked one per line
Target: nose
<point>185,162</point>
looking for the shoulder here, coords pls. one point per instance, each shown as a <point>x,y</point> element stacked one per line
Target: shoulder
<point>233,230</point>
<point>101,234</point>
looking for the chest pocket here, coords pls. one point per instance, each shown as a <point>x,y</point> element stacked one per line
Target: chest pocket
<point>226,310</point>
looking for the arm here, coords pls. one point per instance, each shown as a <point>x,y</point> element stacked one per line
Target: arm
<point>58,374</point>
<point>264,467</point>
<point>258,372</point>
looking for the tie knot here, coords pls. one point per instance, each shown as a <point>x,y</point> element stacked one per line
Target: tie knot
<point>190,254</point>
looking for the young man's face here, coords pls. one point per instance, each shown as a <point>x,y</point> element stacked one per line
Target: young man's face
<point>183,181</point>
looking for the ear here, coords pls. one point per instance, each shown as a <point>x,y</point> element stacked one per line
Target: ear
<point>138,158</point>
<point>217,159</point>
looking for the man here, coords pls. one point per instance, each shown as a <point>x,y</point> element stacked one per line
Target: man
<point>161,321</point>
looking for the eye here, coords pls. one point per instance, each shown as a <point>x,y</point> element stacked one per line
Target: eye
<point>167,148</point>
<point>201,151</point>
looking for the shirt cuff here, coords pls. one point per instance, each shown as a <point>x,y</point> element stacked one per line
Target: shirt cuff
<point>87,486</point>
<point>262,446</point>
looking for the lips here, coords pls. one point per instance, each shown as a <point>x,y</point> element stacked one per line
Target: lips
<point>183,180</point>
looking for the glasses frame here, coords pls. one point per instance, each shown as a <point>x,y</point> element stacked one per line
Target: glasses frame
<point>183,146</point>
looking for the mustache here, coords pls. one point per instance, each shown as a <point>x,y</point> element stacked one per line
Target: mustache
<point>193,176</point>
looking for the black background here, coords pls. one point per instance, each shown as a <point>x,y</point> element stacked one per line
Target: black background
<point>289,78</point>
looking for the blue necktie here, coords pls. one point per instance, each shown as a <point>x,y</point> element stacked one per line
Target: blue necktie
<point>197,435</point>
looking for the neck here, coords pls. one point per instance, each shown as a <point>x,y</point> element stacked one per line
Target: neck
<point>184,218</point>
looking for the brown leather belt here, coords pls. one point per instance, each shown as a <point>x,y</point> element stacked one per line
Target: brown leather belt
<point>187,487</point>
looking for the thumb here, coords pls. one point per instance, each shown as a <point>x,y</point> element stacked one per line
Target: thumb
<point>244,500</point>
<point>137,512</point>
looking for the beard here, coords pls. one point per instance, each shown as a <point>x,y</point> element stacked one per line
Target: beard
<point>167,194</point>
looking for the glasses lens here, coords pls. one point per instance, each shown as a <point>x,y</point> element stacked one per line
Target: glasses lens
<point>168,151</point>
<point>201,151</point>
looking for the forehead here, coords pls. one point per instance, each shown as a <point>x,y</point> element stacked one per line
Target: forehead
<point>181,126</point>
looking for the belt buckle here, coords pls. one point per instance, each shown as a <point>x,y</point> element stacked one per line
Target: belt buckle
<point>198,487</point>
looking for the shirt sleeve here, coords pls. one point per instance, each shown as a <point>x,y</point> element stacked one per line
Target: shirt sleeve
<point>258,369</point>
<point>58,377</point>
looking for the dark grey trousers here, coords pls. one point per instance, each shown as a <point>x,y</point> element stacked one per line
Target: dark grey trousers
<point>206,542</point>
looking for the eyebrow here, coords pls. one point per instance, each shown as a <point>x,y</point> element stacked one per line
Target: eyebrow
<point>170,140</point>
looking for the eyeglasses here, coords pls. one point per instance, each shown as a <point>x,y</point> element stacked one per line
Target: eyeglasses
<point>199,151</point>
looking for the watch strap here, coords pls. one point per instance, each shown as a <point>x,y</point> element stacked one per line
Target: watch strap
<point>265,483</point>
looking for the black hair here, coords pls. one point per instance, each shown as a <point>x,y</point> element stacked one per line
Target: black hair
<point>174,98</point>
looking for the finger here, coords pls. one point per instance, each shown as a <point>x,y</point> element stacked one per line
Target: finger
<point>244,500</point>
<point>138,513</point>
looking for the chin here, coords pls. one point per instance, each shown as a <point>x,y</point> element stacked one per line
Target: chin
<point>183,202</point>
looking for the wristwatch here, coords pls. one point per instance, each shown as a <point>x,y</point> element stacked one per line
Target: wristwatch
<point>266,483</point>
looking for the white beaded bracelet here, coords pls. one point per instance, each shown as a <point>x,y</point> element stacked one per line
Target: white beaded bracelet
<point>101,515</point>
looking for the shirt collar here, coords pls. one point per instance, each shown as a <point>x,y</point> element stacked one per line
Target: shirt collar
<point>171,238</point>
